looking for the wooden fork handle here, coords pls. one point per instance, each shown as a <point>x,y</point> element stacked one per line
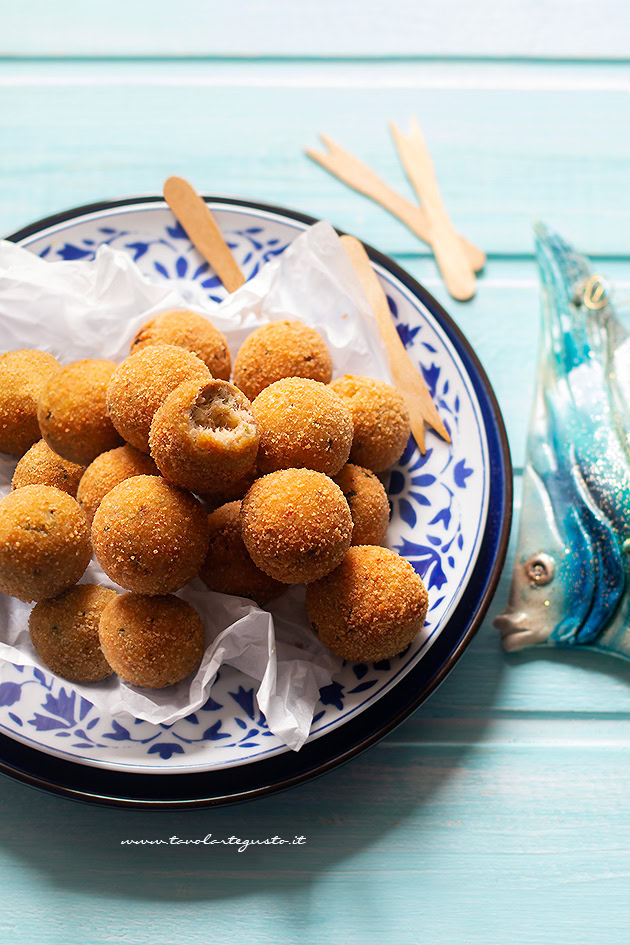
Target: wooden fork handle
<point>406,377</point>
<point>203,231</point>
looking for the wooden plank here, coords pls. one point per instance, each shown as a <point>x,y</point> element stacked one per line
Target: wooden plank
<point>564,28</point>
<point>453,844</point>
<point>505,151</point>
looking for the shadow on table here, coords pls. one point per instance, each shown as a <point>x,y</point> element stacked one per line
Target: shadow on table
<point>348,812</point>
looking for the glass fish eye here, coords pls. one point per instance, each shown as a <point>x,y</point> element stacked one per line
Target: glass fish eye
<point>540,569</point>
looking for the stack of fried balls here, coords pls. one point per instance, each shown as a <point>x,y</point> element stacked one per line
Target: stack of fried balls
<point>166,470</point>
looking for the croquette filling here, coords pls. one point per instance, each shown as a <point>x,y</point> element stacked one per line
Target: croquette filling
<point>220,413</point>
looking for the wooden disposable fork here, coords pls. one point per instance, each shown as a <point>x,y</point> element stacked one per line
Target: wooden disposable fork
<point>457,258</point>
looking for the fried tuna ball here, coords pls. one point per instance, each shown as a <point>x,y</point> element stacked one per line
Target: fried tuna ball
<point>150,536</point>
<point>368,503</point>
<point>64,632</point>
<point>108,470</point>
<point>72,412</point>
<point>40,466</point>
<point>281,349</point>
<point>204,437</point>
<point>191,331</point>
<point>23,374</point>
<point>44,543</point>
<point>151,641</point>
<point>142,383</point>
<point>302,424</point>
<point>370,608</point>
<point>381,420</point>
<point>296,525</point>
<point>228,567</point>
<point>233,491</point>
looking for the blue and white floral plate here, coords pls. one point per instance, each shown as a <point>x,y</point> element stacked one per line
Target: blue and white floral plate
<point>451,511</point>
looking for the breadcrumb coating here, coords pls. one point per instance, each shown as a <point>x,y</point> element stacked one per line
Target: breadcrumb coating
<point>281,349</point>
<point>40,466</point>
<point>64,632</point>
<point>150,536</point>
<point>142,383</point>
<point>108,470</point>
<point>232,492</point>
<point>72,411</point>
<point>23,374</point>
<point>204,436</point>
<point>381,420</point>
<point>296,525</point>
<point>44,543</point>
<point>370,608</point>
<point>188,330</point>
<point>302,424</point>
<point>152,642</point>
<point>368,503</point>
<point>228,567</point>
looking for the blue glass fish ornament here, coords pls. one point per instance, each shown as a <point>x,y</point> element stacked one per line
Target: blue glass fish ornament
<point>570,580</point>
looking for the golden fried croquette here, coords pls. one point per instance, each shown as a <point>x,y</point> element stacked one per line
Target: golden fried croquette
<point>40,466</point>
<point>191,331</point>
<point>151,641</point>
<point>302,424</point>
<point>142,383</point>
<point>64,632</point>
<point>281,349</point>
<point>72,412</point>
<point>150,536</point>
<point>368,503</point>
<point>22,376</point>
<point>228,568</point>
<point>233,491</point>
<point>44,543</point>
<point>204,437</point>
<point>296,525</point>
<point>108,470</point>
<point>370,607</point>
<point>381,420</point>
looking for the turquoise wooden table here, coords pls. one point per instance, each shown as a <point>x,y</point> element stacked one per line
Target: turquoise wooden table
<point>499,812</point>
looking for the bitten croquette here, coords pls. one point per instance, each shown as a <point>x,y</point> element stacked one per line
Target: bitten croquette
<point>44,543</point>
<point>281,349</point>
<point>381,421</point>
<point>296,525</point>
<point>151,642</point>
<point>108,470</point>
<point>23,374</point>
<point>142,383</point>
<point>191,331</point>
<point>204,436</point>
<point>40,466</point>
<point>369,608</point>
<point>228,567</point>
<point>72,412</point>
<point>64,632</point>
<point>368,503</point>
<point>302,424</point>
<point>150,536</point>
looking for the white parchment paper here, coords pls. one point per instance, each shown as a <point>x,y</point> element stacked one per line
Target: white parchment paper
<point>80,309</point>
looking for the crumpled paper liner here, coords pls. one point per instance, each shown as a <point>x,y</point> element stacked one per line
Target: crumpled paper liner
<point>80,309</point>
